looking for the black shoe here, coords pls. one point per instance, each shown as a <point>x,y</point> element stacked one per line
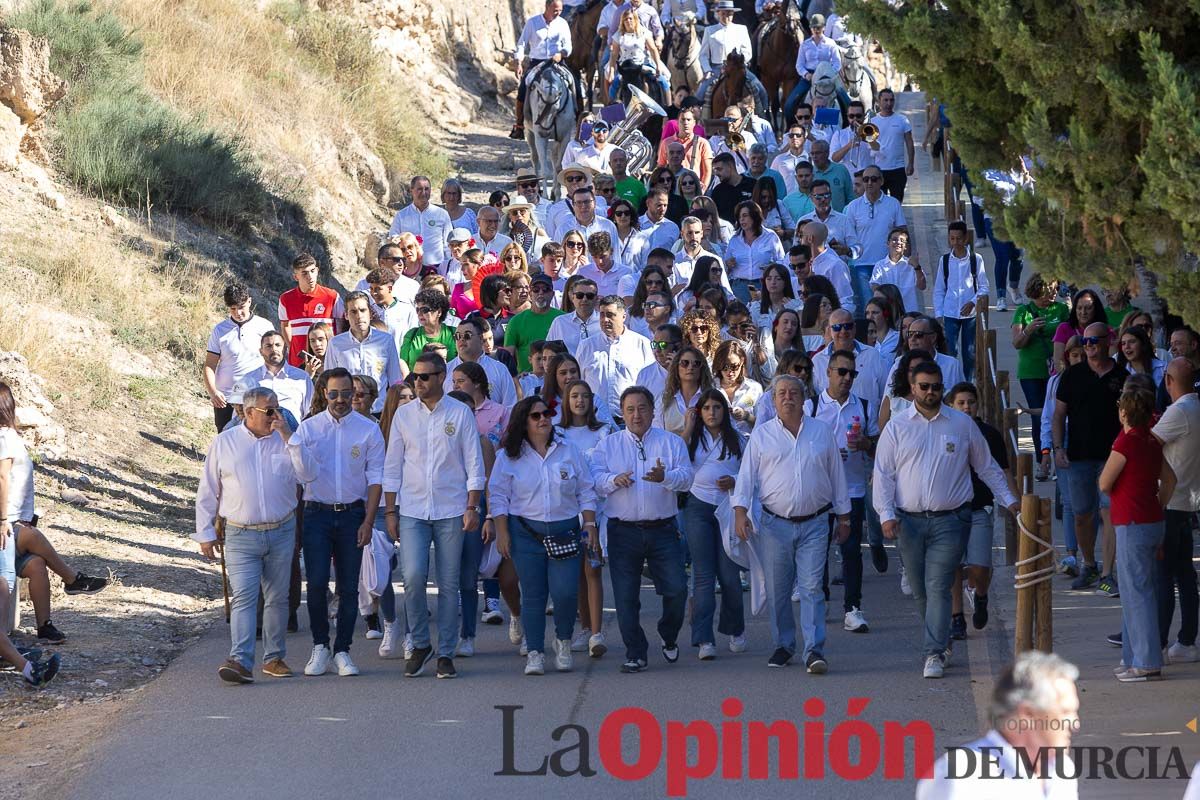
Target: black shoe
<point>85,584</point>
<point>416,663</point>
<point>517,132</point>
<point>633,665</point>
<point>50,634</point>
<point>879,558</point>
<point>445,668</point>
<point>839,580</point>
<point>293,622</point>
<point>980,617</point>
<point>670,652</point>
<point>43,672</point>
<point>958,627</point>
<point>258,634</point>
<point>815,664</point>
<point>779,658</point>
<point>27,653</point>
<point>1115,639</point>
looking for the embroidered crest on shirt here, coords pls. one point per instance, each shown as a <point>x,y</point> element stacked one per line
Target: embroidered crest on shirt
<point>355,451</point>
<point>562,473</point>
<point>949,447</point>
<point>449,428</point>
<point>320,308</point>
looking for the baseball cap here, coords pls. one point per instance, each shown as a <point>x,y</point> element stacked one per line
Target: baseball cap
<point>816,21</point>
<point>460,235</point>
<point>541,277</point>
<point>600,126</point>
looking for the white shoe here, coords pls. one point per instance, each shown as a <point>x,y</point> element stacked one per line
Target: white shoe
<point>1183,653</point>
<point>905,587</point>
<point>373,633</point>
<point>524,649</point>
<point>563,660</point>
<point>708,651</point>
<point>968,599</point>
<point>535,664</point>
<point>854,621</point>
<point>580,643</point>
<point>596,645</point>
<point>795,595</point>
<point>466,647</point>
<point>934,667</point>
<point>345,666</point>
<point>387,648</point>
<point>491,612</point>
<point>516,632</point>
<point>318,662</point>
<point>549,608</point>
<point>737,644</point>
<point>408,647</point>
<point>1001,305</point>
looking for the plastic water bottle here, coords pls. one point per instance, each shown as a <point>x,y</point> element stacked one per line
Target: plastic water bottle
<point>853,430</point>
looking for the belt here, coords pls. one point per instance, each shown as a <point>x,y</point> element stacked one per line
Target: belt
<point>929,514</point>
<point>313,505</point>
<point>643,524</point>
<point>262,526</point>
<point>823,510</point>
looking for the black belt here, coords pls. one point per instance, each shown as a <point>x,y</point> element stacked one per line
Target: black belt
<point>644,524</point>
<point>928,514</point>
<point>823,510</point>
<point>313,505</point>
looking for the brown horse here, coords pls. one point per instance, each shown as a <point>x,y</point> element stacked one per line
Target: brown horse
<point>778,41</point>
<point>584,60</point>
<point>731,87</point>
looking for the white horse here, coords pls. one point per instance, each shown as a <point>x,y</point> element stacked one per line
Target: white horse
<point>823,93</point>
<point>549,121</point>
<point>856,76</point>
<point>684,58</point>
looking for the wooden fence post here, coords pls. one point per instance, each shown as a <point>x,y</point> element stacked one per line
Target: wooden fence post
<point>1044,636</point>
<point>1024,476</point>
<point>1025,597</point>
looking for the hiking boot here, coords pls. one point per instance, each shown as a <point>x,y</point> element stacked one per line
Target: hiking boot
<point>445,668</point>
<point>42,672</point>
<point>49,634</point>
<point>779,658</point>
<point>417,661</point>
<point>980,618</point>
<point>85,584</point>
<point>276,668</point>
<point>232,671</point>
<point>958,627</point>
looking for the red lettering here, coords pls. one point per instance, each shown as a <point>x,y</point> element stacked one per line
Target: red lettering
<point>788,738</point>
<point>731,740</point>
<point>894,736</point>
<point>678,768</point>
<point>649,751</point>
<point>814,739</point>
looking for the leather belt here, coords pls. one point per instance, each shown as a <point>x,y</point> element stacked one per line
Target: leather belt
<point>929,514</point>
<point>262,526</point>
<point>313,505</point>
<point>643,524</point>
<point>820,512</point>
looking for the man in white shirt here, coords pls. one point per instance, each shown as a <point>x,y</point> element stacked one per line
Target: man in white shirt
<point>826,262</point>
<point>841,237</point>
<point>468,339</point>
<point>796,151</point>
<point>638,471</point>
<point>847,146</point>
<point>611,360</point>
<point>813,51</point>
<point>249,482</point>
<point>895,155</point>
<point>582,322</point>
<point>490,239</point>
<point>596,154</point>
<point>899,270</point>
<point>291,385</point>
<point>338,455</point>
<point>924,334</point>
<point>584,217</point>
<point>545,37</point>
<point>661,231</point>
<point>422,218</point>
<point>691,234</point>
<point>871,370</point>
<point>366,350</point>
<point>718,43</point>
<point>232,352</point>
<point>604,268</point>
<point>922,493</point>
<point>792,466</point>
<point>434,473</point>
<point>960,285</point>
<point>667,341</point>
<point>874,216</point>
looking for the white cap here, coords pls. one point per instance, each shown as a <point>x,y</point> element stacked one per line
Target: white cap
<point>460,235</point>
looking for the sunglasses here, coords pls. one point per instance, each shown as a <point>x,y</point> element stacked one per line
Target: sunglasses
<point>335,394</point>
<point>361,395</point>
<point>623,213</point>
<point>463,337</point>
<point>266,412</point>
<point>844,371</point>
<point>838,327</point>
<point>541,288</point>
<point>425,377</point>
<point>918,334</point>
<point>424,310</point>
<point>574,245</point>
<point>872,178</point>
<point>698,328</point>
<point>1091,340</point>
<point>527,185</point>
<point>690,364</point>
<point>574,178</point>
<point>825,196</point>
<point>799,370</point>
<point>584,295</point>
<point>665,345</point>
<point>538,416</point>
<point>930,387</point>
<point>653,304</point>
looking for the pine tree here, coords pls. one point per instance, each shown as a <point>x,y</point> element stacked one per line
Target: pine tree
<point>1102,95</point>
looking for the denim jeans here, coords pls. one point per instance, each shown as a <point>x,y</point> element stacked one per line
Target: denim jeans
<point>629,549</point>
<point>253,559</point>
<point>860,277</point>
<point>795,553</point>
<point>446,535</point>
<point>932,548</point>
<point>852,560</point>
<point>540,575</point>
<point>711,566</point>
<point>468,580</point>
<point>1008,261</point>
<point>1176,567</point>
<point>964,330</point>
<point>1034,390</point>
<point>332,534</point>
<point>1137,546</point>
<point>874,527</point>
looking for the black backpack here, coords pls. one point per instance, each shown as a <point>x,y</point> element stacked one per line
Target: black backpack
<point>974,268</point>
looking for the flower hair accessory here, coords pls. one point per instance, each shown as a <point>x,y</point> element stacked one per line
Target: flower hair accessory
<point>471,242</point>
<point>420,240</point>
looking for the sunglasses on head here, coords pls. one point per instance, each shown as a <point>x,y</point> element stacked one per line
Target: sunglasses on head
<point>838,327</point>
<point>424,377</point>
<point>930,387</point>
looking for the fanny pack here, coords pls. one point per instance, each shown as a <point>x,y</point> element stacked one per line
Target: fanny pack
<point>560,546</point>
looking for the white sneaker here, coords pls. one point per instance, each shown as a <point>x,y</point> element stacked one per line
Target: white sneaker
<point>549,607</point>
<point>491,612</point>
<point>855,622</point>
<point>524,649</point>
<point>905,587</point>
<point>516,632</point>
<point>596,645</point>
<point>466,647</point>
<point>318,662</point>
<point>563,660</point>
<point>968,599</point>
<point>580,643</point>
<point>795,595</point>
<point>1183,653</point>
<point>387,648</point>
<point>408,646</point>
<point>934,667</point>
<point>737,644</point>
<point>708,651</point>
<point>535,664</point>
<point>345,666</point>
<point>1001,305</point>
<point>373,633</point>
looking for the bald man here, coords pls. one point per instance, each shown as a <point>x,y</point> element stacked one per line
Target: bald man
<point>827,263</point>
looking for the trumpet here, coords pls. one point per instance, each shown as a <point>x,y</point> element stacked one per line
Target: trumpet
<point>736,141</point>
<point>868,132</point>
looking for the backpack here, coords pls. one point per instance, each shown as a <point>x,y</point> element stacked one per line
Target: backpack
<point>974,267</point>
<point>812,409</point>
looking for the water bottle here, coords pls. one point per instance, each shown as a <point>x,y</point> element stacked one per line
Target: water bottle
<point>853,431</point>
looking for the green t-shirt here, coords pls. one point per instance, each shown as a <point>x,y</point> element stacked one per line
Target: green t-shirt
<point>526,328</point>
<point>1115,318</point>
<point>841,185</point>
<point>632,190</point>
<point>1034,358</point>
<point>416,339</point>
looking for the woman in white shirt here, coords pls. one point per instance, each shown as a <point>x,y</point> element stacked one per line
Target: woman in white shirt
<point>729,370</point>
<point>687,377</point>
<point>887,338</point>
<point>751,249</point>
<point>777,294</point>
<point>538,490</point>
<point>775,217</point>
<point>632,246</point>
<point>580,427</point>
<point>716,451</point>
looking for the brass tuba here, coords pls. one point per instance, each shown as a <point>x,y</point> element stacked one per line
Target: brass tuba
<point>627,136</point>
<point>868,132</point>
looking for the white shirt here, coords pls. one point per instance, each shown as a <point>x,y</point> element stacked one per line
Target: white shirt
<point>542,40</point>
<point>872,370</point>
<point>746,398</point>
<point>672,7</point>
<point>663,233</point>
<point>237,347</point>
<point>793,476</point>
<point>610,366</point>
<point>1005,778</point>
<point>433,225</point>
<point>434,459</point>
<point>644,500</point>
<point>607,282</point>
<point>570,329</point>
<point>763,132</point>
<point>338,459</point>
<point>652,377</point>
<point>549,489</point>
<point>400,317</point>
<point>721,40</point>
<point>495,246</point>
<point>584,438</point>
<point>830,265</point>
<point>569,223</point>
<point>595,158</point>
<point>901,275</point>
<point>812,53</point>
<point>952,372</point>
<point>964,284</point>
<point>785,164</point>
<point>685,265</point>
<point>20,477</point>
<point>840,228</point>
<point>404,289</point>
<point>634,250</point>
<point>501,386</point>
<point>708,466</point>
<point>893,151</point>
<point>751,259</point>
<point>858,157</point>
<point>1179,431</point>
<point>246,480</point>
<point>841,416</point>
<point>291,385</point>
<point>375,356</point>
<point>647,19</point>
<point>872,223</point>
<point>610,17</point>
<point>925,465</point>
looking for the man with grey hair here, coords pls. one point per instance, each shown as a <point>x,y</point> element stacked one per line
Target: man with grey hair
<point>758,169</point>
<point>1035,710</point>
<point>490,240</point>
<point>249,481</point>
<point>422,218</point>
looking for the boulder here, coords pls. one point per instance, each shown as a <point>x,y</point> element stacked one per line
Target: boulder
<point>27,86</point>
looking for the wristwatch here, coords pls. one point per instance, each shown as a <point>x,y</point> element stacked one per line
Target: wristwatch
<point>476,509</point>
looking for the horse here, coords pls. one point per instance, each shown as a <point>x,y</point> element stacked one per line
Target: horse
<point>684,58</point>
<point>584,60</point>
<point>856,76</point>
<point>550,113</point>
<point>823,93</point>
<point>778,42</point>
<point>731,87</point>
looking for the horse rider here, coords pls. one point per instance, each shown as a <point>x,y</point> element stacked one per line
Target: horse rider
<point>813,51</point>
<point>548,39</point>
<point>719,41</point>
<point>677,8</point>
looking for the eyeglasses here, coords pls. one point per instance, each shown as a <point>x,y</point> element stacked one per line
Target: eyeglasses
<point>425,377</point>
<point>823,196</point>
<point>584,295</point>
<point>641,449</point>
<point>538,416</point>
<point>672,346</point>
<point>918,334</point>
<point>838,327</point>
<point>335,394</point>
<point>463,337</point>
<point>269,411</point>
<point>844,371</point>
<point>573,245</point>
<point>1091,340</point>
<point>930,387</point>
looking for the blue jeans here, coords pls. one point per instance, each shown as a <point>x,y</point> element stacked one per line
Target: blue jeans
<point>964,330</point>
<point>254,558</point>
<point>446,535</point>
<point>1137,546</point>
<point>711,566</point>
<point>332,534</point>
<point>852,560</point>
<point>1084,477</point>
<point>860,277</point>
<point>1034,390</point>
<point>874,527</point>
<point>468,577</point>
<point>629,549</point>
<point>795,553</point>
<point>1176,566</point>
<point>932,548</point>
<point>540,575</point>
<point>1008,261</point>
<point>800,92</point>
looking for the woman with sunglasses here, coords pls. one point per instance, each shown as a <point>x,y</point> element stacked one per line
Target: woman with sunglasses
<point>520,283</point>
<point>702,332</point>
<point>495,299</point>
<point>799,365</point>
<point>717,231</point>
<point>1135,353</point>
<point>775,217</point>
<point>632,246</point>
<point>706,274</point>
<point>751,249</point>
<point>513,258</point>
<point>580,427</point>
<point>540,487</point>
<point>741,393</point>
<point>461,216</point>
<point>574,254</point>
<point>366,391</point>
<point>715,447</point>
<point>1086,308</point>
<point>432,310</point>
<point>814,321</point>
<point>687,377</point>
<point>498,200</point>
<point>663,178</point>
<point>777,294</point>
<point>687,186</point>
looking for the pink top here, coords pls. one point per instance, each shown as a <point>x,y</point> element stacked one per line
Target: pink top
<point>491,419</point>
<point>671,128</point>
<point>462,304</point>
